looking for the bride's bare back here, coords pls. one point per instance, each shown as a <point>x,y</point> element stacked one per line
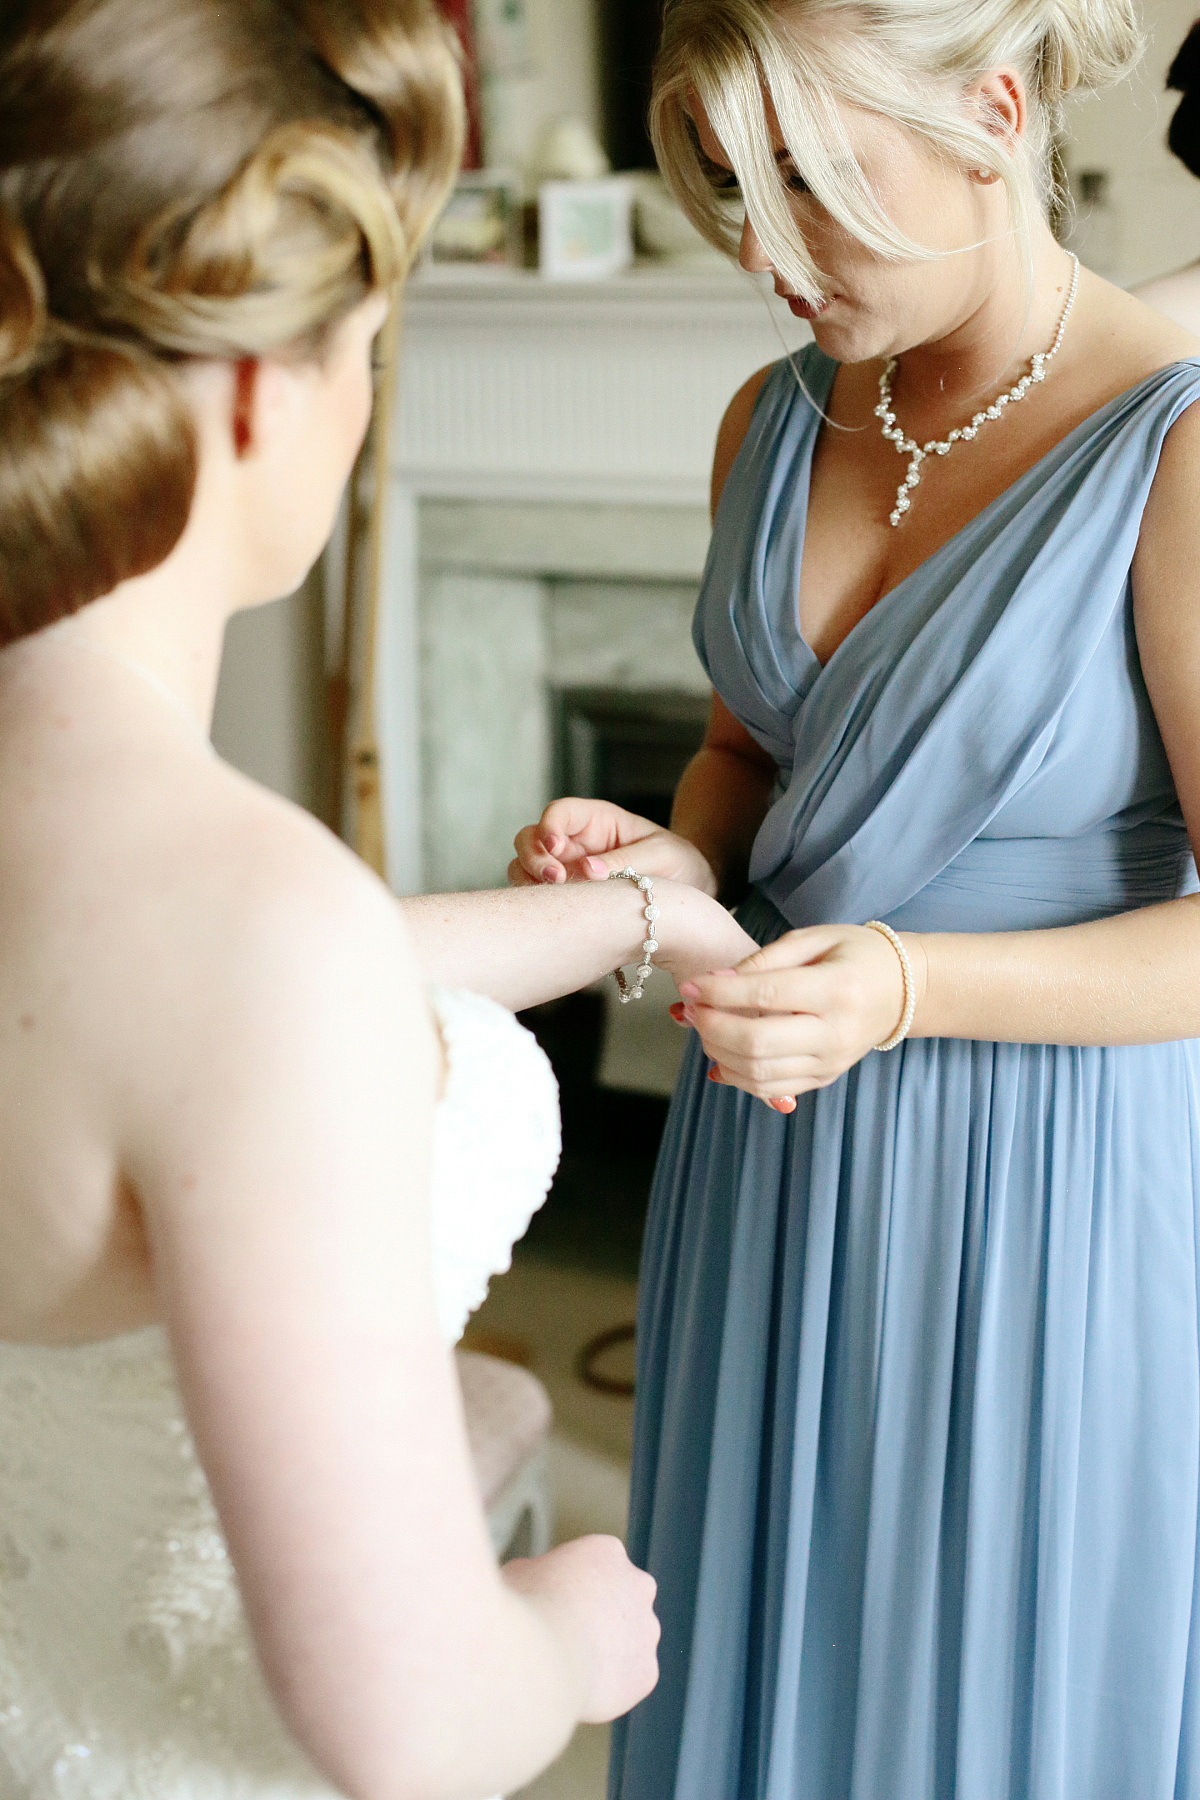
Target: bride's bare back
<point>160,918</point>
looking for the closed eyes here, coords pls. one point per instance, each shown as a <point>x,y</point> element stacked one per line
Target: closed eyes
<point>724,181</point>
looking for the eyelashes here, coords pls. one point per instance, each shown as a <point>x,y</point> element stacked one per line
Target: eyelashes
<point>726,183</point>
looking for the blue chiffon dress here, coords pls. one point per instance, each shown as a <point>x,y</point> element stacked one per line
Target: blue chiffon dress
<point>917,1458</point>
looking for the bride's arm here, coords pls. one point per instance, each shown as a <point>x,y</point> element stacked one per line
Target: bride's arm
<point>526,945</point>
<point>273,1089</point>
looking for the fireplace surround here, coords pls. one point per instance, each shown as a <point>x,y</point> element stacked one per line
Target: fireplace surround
<point>547,525</point>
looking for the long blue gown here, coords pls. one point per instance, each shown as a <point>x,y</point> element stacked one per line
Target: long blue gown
<point>917,1460</point>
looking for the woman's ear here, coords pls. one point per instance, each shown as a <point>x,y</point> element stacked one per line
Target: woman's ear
<point>245,406</point>
<point>999,100</point>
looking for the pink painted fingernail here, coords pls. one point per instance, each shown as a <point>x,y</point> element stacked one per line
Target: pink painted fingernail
<point>689,990</point>
<point>714,1074</point>
<point>595,867</point>
<point>786,1105</point>
<point>676,1012</point>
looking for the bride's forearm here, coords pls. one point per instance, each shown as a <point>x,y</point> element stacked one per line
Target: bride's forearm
<point>1131,979</point>
<point>527,945</point>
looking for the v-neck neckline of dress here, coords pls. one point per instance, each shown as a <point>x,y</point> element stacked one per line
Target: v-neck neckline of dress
<point>794,548</point>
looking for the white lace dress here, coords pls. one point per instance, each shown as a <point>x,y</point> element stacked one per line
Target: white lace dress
<point>126,1670</point>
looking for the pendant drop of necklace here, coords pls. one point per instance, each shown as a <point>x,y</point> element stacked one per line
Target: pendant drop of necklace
<point>917,453</point>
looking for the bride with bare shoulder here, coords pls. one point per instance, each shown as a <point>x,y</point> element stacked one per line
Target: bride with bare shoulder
<point>241,1548</point>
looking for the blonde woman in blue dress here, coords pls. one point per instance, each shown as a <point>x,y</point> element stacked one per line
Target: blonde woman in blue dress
<point>917,1461</point>
<point>252,1180</point>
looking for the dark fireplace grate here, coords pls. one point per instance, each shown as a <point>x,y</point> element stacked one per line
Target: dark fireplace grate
<point>629,747</point>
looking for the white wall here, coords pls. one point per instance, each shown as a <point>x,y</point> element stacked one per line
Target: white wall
<point>1124,131</point>
<point>562,78</point>
<point>269,718</point>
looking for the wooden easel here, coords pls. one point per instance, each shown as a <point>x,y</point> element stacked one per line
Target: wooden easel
<point>350,690</point>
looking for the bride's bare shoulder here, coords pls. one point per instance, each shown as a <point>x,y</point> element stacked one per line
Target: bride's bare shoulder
<point>259,866</point>
<point>227,909</point>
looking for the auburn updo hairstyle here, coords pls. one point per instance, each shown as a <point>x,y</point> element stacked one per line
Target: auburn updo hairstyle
<point>1183,77</point>
<point>184,179</point>
<point>909,61</point>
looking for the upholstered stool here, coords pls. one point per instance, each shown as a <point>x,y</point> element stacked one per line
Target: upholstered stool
<point>508,1420</point>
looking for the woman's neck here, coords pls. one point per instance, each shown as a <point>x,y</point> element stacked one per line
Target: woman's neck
<point>176,649</point>
<point>1011,309</point>
<point>146,657</point>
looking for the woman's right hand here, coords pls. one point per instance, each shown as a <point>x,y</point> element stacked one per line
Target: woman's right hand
<point>606,1605</point>
<point>585,840</point>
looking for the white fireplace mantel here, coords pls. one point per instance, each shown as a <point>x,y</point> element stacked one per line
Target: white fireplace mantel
<point>548,428</point>
<point>518,388</point>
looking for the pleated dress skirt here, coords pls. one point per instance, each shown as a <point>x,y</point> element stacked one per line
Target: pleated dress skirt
<point>918,1438</point>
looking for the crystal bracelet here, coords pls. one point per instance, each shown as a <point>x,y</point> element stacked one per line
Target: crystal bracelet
<point>646,885</point>
<point>910,987</point>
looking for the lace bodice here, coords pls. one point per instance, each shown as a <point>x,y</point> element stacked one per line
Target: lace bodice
<point>126,1670</point>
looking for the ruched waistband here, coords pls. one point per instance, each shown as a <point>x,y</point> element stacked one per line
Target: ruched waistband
<point>1023,884</point>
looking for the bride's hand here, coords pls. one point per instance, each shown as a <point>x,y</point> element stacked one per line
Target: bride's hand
<point>796,1014</point>
<point>585,840</point>
<point>696,934</point>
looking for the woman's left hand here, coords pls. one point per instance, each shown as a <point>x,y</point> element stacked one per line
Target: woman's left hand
<point>801,1011</point>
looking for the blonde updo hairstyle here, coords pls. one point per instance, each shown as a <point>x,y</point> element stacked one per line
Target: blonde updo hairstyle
<point>185,179</point>
<point>909,61</point>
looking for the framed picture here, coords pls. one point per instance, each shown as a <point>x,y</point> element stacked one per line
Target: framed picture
<point>481,224</point>
<point>585,228</point>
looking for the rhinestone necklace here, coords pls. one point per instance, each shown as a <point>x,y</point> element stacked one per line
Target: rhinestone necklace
<point>917,453</point>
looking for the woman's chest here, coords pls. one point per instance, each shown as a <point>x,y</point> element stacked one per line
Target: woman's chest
<point>852,556</point>
<point>851,553</point>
